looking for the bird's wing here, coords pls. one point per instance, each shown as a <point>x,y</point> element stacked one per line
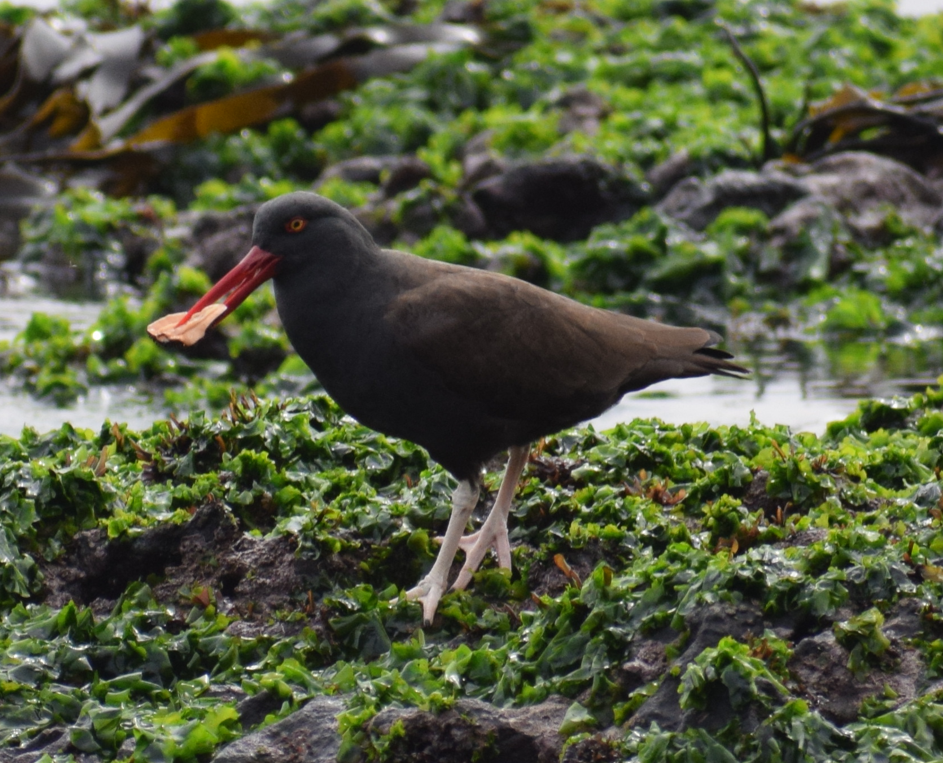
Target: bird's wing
<point>521,350</point>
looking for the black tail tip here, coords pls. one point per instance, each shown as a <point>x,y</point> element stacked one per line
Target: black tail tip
<point>720,363</point>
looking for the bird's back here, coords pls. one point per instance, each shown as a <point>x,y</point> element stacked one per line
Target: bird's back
<point>516,362</point>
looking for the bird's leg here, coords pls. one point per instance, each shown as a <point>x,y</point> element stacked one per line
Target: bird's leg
<point>494,532</point>
<point>430,589</point>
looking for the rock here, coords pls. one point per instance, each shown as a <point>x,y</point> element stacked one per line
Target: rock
<point>136,249</point>
<point>479,167</point>
<point>360,169</point>
<point>820,666</point>
<point>395,173</point>
<point>804,244</point>
<point>404,176</point>
<point>863,187</point>
<point>252,710</point>
<point>856,188</point>
<point>479,162</point>
<point>309,735</point>
<point>649,661</point>
<point>474,730</point>
<point>662,177</point>
<point>594,749</point>
<point>464,12</point>
<point>53,741</point>
<point>583,110</point>
<point>19,193</point>
<point>95,568</point>
<point>697,202</point>
<point>250,577</point>
<point>905,619</point>
<point>467,217</point>
<point>559,199</point>
<point>708,626</point>
<point>317,115</point>
<point>219,239</point>
<point>9,235</point>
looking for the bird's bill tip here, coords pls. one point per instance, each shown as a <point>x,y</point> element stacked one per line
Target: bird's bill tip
<point>177,328</point>
<point>190,327</point>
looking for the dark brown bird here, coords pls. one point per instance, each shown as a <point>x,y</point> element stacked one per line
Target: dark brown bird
<point>464,362</point>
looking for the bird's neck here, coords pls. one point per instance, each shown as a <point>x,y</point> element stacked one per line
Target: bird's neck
<point>326,303</point>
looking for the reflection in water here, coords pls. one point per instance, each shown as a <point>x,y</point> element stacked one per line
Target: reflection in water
<point>804,385</point>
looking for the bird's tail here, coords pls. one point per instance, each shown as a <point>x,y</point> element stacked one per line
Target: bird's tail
<point>714,361</point>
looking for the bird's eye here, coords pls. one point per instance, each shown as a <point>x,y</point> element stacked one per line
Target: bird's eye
<point>296,225</point>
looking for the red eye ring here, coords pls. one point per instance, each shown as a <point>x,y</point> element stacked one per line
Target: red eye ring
<point>296,225</point>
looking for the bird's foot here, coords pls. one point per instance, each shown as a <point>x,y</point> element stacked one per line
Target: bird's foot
<point>493,534</point>
<point>428,592</point>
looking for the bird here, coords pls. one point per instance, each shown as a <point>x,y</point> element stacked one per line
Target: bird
<point>465,362</point>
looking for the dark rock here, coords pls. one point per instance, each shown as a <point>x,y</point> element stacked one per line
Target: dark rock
<point>404,176</point>
<point>707,626</point>
<point>137,249</point>
<point>649,661</point>
<point>363,169</point>
<point>905,620</point>
<point>804,244</point>
<point>595,749</point>
<point>545,578</point>
<point>698,202</point>
<point>481,166</point>
<point>19,193</point>
<point>317,115</point>
<point>307,736</point>
<point>97,268</point>
<point>863,187</point>
<point>756,496</point>
<point>663,177</point>
<point>378,220</point>
<point>219,239</point>
<point>252,710</point>
<point>54,741</point>
<point>248,576</point>
<point>686,9</point>
<point>474,730</point>
<point>479,162</point>
<point>464,12</point>
<point>809,204</point>
<point>583,110</point>
<point>96,569</point>
<point>468,218</point>
<point>560,199</point>
<point>9,237</point>
<point>820,666</point>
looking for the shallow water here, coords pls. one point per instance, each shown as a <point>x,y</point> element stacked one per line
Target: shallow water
<point>18,409</point>
<point>802,385</point>
<point>731,401</point>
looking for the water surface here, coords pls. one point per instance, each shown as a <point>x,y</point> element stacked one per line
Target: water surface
<point>802,385</point>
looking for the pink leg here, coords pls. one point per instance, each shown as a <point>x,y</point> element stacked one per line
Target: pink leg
<point>430,589</point>
<point>494,532</point>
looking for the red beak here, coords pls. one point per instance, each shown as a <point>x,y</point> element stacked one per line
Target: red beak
<point>254,269</point>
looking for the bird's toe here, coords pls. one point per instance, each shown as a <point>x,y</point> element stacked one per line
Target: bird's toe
<point>475,546</point>
<point>428,592</point>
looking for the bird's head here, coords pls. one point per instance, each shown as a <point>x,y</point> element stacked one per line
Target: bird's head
<point>289,234</point>
<point>301,227</point>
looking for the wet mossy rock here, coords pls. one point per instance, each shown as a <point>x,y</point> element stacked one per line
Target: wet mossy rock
<point>561,199</point>
<point>309,735</point>
<point>472,730</point>
<point>676,588</point>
